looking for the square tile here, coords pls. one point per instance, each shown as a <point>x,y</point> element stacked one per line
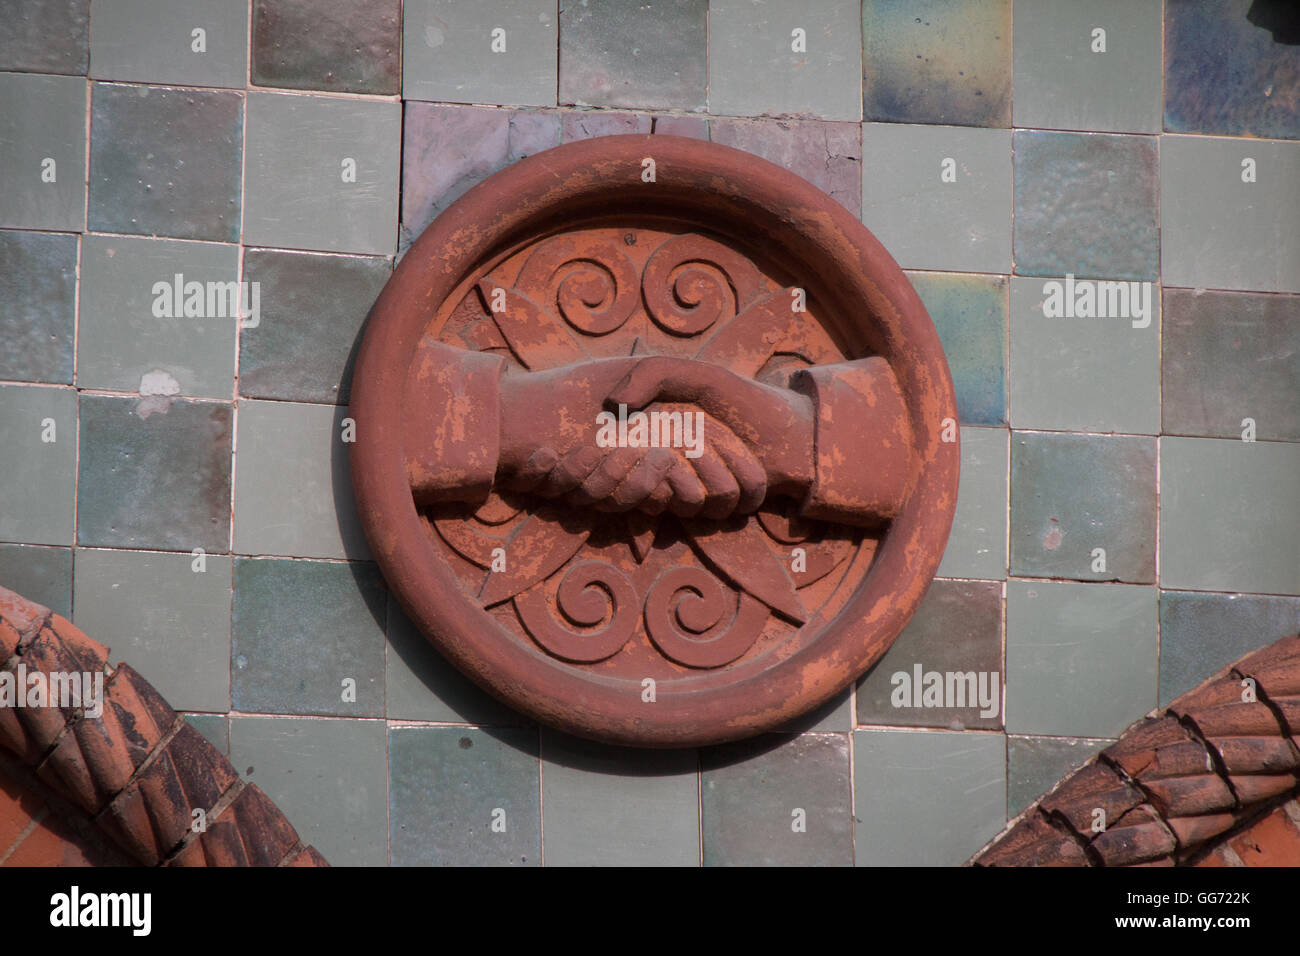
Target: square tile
<point>47,36</point>
<point>322,173</point>
<point>948,206</point>
<point>40,574</point>
<point>299,447</point>
<point>186,42</point>
<point>1086,205</point>
<point>498,52</point>
<point>613,806</point>
<point>785,58</point>
<point>462,797</point>
<point>168,615</point>
<point>1093,66</point>
<point>337,45</point>
<point>1200,634</point>
<point>38,471</point>
<point>926,798</point>
<point>945,669</point>
<point>166,161</point>
<point>300,348</point>
<point>937,62</point>
<point>1229,356</point>
<point>1089,372</point>
<point>778,801</point>
<point>977,544</point>
<point>422,685</point>
<point>215,727</point>
<point>448,149</point>
<point>307,637</point>
<point>828,155</point>
<point>629,53</point>
<point>1228,520</point>
<point>43,152</point>
<point>1224,61</point>
<point>1220,229</point>
<point>154,472</point>
<point>38,286</point>
<point>328,776</point>
<point>586,124</point>
<point>970,314</point>
<point>692,127</point>
<point>159,315</point>
<point>1081,658</point>
<point>1083,507</point>
<point>1036,764</point>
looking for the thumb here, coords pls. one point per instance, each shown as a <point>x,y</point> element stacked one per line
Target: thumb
<point>658,377</point>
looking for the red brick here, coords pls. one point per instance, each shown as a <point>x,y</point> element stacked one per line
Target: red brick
<point>1253,789</point>
<point>1137,837</point>
<point>1191,796</point>
<point>1034,842</point>
<point>1272,841</point>
<point>1094,786</point>
<point>17,807</point>
<point>1217,857</point>
<point>1192,831</point>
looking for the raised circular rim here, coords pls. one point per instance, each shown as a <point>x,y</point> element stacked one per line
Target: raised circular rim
<point>710,184</point>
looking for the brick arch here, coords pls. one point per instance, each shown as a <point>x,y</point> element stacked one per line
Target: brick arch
<point>1212,780</point>
<point>123,787</point>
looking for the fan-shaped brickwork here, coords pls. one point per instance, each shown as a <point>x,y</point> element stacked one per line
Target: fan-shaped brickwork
<point>137,772</point>
<point>1211,780</point>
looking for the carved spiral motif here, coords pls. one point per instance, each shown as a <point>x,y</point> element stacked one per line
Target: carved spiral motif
<point>591,283</point>
<point>691,283</point>
<point>687,613</point>
<point>588,590</point>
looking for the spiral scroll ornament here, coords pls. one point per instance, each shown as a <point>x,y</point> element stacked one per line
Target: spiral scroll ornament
<point>698,622</point>
<point>589,592</point>
<point>594,287</point>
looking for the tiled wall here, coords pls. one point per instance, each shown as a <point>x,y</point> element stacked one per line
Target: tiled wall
<point>991,145</point>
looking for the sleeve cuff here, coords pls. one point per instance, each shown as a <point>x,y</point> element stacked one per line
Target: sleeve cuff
<point>452,423</point>
<point>862,442</point>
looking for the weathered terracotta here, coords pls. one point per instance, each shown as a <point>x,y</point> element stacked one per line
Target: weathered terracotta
<point>651,595</point>
<point>134,775</point>
<point>1211,780</point>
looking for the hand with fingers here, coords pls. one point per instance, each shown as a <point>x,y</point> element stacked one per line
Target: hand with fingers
<point>775,424</point>
<point>549,447</point>
<point>724,477</point>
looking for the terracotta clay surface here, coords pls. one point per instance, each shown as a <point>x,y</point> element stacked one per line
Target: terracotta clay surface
<point>131,777</point>
<point>1211,781</point>
<point>654,441</point>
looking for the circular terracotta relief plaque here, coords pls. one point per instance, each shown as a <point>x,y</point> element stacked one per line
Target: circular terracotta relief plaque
<point>654,441</point>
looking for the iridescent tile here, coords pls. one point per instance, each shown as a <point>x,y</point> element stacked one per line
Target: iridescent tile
<point>166,161</point>
<point>633,54</point>
<point>1086,205</point>
<point>154,472</point>
<point>45,36</point>
<point>785,58</point>
<point>936,61</point>
<point>1083,506</point>
<point>461,796</point>
<point>1232,67</point>
<point>970,314</point>
<point>38,286</point>
<point>1229,357</point>
<point>337,45</point>
<point>777,800</point>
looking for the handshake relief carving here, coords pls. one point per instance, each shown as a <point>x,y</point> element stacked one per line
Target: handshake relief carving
<point>673,445</point>
<point>662,434</point>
